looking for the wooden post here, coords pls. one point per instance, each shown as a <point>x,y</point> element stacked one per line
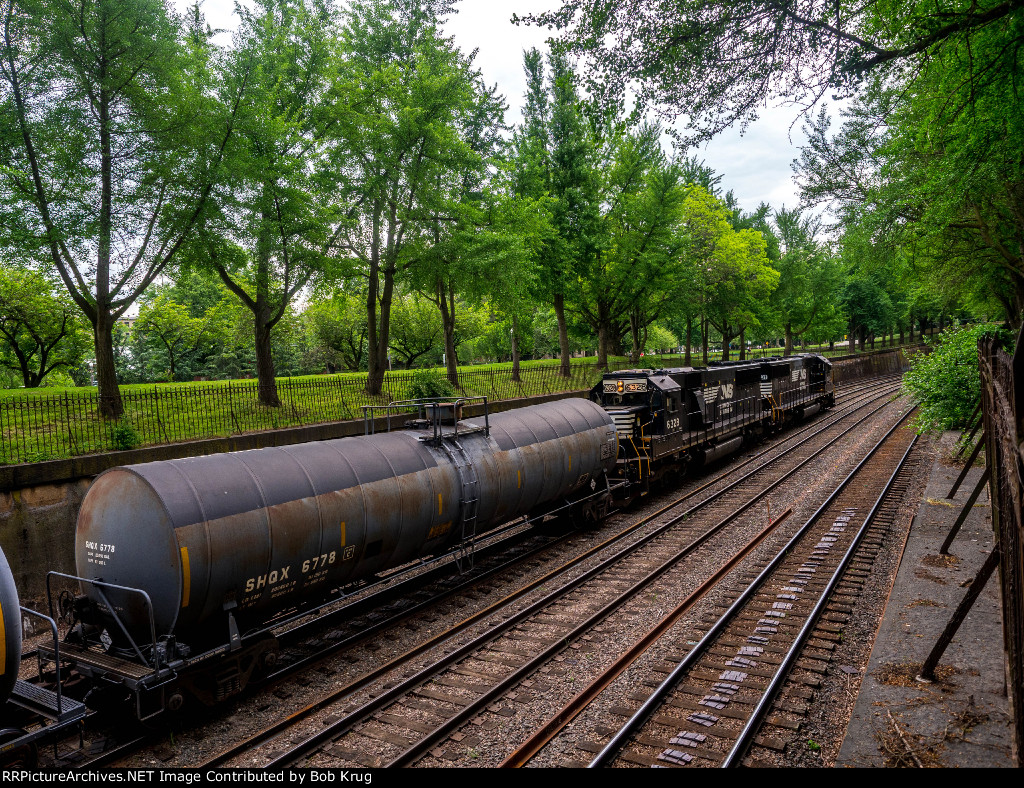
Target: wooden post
<point>928,669</point>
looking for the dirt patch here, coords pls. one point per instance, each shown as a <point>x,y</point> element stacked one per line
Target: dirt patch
<point>942,561</point>
<point>903,748</point>
<point>925,603</point>
<point>926,575</point>
<point>904,674</point>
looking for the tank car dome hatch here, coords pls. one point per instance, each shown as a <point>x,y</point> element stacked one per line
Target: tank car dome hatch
<point>10,630</point>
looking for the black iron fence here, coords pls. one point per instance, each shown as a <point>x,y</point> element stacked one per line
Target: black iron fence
<point>39,428</point>
<point>1002,398</point>
<point>52,427</point>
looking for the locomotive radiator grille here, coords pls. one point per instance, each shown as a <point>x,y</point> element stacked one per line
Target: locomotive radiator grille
<point>623,423</point>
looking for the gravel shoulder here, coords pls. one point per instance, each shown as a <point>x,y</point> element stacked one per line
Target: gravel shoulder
<point>963,718</point>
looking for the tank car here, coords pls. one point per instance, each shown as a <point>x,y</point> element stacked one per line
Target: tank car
<point>668,419</point>
<point>10,631</point>
<point>187,563</point>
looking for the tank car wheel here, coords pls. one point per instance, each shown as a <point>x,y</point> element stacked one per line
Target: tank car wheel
<point>268,659</point>
<point>175,701</point>
<point>26,756</point>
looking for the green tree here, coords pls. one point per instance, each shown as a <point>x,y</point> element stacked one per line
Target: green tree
<point>338,326</point>
<point>111,148</point>
<point>267,236</point>
<point>402,108</point>
<point>40,329</point>
<point>172,325</point>
<point>556,155</point>
<point>718,62</point>
<point>809,278</point>
<point>416,329</point>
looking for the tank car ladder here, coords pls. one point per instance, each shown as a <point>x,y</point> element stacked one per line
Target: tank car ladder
<point>467,505</point>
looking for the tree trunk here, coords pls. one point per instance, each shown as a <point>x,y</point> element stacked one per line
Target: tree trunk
<point>374,368</point>
<point>789,340</point>
<point>266,382</point>
<point>704,340</point>
<point>602,345</point>
<point>634,335</point>
<point>743,345</point>
<point>563,335</point>
<point>111,406</point>
<point>446,300</point>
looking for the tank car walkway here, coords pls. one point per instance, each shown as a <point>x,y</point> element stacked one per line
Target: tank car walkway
<point>961,720</point>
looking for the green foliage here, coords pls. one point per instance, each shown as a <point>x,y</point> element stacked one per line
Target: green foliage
<point>124,436</point>
<point>41,331</point>
<point>945,382</point>
<point>429,384</point>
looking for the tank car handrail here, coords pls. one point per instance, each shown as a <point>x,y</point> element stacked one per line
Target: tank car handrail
<point>99,585</point>
<point>56,650</point>
<point>422,404</point>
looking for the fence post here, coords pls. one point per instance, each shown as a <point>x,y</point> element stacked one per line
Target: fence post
<point>67,418</point>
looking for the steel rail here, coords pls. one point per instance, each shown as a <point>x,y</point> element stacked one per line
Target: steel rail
<point>761,709</point>
<point>522,755</point>
<point>654,701</point>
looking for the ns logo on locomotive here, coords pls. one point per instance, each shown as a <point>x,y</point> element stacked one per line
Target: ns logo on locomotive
<point>186,566</point>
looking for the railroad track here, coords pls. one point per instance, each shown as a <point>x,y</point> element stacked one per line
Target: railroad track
<point>771,641</point>
<point>411,603</point>
<point>461,670</point>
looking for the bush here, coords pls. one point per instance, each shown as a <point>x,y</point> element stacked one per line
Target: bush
<point>430,384</point>
<point>124,436</point>
<point>946,381</point>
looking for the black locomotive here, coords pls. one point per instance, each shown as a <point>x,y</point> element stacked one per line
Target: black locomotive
<point>668,419</point>
<point>186,566</point>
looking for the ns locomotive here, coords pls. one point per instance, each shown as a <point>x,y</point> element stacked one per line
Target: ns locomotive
<point>185,566</point>
<point>668,419</point>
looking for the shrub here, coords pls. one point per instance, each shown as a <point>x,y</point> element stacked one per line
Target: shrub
<point>429,384</point>
<point>124,436</point>
<point>946,382</point>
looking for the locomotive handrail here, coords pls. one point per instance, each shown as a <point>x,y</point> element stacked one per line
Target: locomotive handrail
<point>56,650</point>
<point>99,585</point>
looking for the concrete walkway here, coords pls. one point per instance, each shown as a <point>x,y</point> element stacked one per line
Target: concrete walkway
<point>961,720</point>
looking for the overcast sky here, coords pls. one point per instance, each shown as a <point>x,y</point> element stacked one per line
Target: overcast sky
<point>756,166</point>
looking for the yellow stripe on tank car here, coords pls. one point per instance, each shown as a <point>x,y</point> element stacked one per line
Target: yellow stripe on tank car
<point>342,533</point>
<point>439,509</point>
<point>519,480</point>
<point>186,577</point>
<point>3,643</point>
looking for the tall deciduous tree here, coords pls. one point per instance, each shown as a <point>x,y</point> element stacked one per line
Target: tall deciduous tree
<point>556,154</point>
<point>809,279</point>
<point>112,148</point>
<point>398,144</point>
<point>267,236</point>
